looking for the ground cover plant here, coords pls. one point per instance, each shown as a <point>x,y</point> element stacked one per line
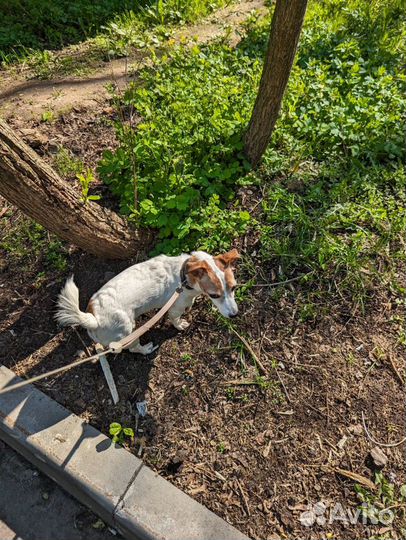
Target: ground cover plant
<point>334,207</point>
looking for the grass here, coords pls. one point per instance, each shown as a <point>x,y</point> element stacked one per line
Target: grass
<point>48,116</point>
<point>40,24</point>
<point>26,243</point>
<point>67,165</point>
<point>71,38</point>
<point>332,179</point>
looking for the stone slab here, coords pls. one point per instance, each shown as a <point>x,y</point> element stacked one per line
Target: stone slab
<point>154,508</point>
<point>112,482</point>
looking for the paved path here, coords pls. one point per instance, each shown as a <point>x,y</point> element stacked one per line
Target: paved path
<point>33,507</point>
<point>24,99</point>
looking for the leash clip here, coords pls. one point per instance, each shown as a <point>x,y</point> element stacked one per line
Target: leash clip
<point>116,347</point>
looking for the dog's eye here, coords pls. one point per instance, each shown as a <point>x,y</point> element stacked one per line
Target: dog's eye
<point>215,295</point>
<point>233,288</point>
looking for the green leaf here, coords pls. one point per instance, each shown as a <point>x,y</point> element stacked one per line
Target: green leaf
<point>129,432</point>
<point>115,428</point>
<point>245,216</point>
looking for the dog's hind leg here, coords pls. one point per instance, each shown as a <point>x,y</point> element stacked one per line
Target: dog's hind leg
<point>136,347</point>
<point>121,327</point>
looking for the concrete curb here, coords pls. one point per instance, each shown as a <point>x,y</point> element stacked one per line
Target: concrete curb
<point>112,482</point>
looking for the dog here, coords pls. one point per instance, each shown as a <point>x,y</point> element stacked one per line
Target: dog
<point>113,309</point>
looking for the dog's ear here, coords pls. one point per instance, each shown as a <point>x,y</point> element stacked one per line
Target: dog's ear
<point>228,259</point>
<point>197,269</point>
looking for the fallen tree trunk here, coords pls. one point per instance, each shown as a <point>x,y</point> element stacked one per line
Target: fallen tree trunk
<point>33,186</point>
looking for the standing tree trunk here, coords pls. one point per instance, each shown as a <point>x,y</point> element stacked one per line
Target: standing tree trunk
<point>33,186</point>
<point>287,23</point>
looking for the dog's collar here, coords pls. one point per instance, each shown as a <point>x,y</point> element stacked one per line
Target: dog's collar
<point>183,276</point>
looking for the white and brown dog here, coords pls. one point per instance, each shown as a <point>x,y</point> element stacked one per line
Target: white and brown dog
<point>113,309</point>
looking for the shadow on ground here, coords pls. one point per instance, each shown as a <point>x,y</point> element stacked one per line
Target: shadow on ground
<point>47,347</point>
<point>41,24</point>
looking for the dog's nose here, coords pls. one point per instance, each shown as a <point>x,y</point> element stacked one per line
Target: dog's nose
<point>232,315</point>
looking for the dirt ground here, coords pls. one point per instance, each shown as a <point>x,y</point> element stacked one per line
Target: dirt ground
<point>258,451</point>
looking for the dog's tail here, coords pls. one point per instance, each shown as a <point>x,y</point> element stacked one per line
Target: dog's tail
<point>68,313</point>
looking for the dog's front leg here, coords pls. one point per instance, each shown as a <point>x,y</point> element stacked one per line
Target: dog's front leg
<point>175,313</point>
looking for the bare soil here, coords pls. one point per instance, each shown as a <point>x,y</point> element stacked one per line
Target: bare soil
<point>256,451</point>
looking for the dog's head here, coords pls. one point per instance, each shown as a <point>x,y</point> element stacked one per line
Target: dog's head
<point>214,276</point>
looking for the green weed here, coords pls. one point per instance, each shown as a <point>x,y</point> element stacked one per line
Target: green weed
<point>67,164</point>
<point>263,383</point>
<point>27,241</point>
<point>221,447</point>
<point>187,149</point>
<point>187,360</point>
<point>351,359</point>
<point>162,12</point>
<point>385,505</point>
<point>119,433</point>
<point>48,116</point>
<point>86,179</point>
<point>55,256</point>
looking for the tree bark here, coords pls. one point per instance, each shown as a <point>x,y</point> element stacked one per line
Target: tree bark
<point>33,186</point>
<point>287,23</point>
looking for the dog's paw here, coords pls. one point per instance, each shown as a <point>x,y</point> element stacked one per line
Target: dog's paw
<point>144,349</point>
<point>180,324</point>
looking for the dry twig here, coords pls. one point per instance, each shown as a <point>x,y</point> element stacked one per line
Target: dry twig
<point>395,369</point>
<point>357,477</point>
<point>283,385</point>
<point>386,445</point>
<point>244,498</point>
<point>261,367</point>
